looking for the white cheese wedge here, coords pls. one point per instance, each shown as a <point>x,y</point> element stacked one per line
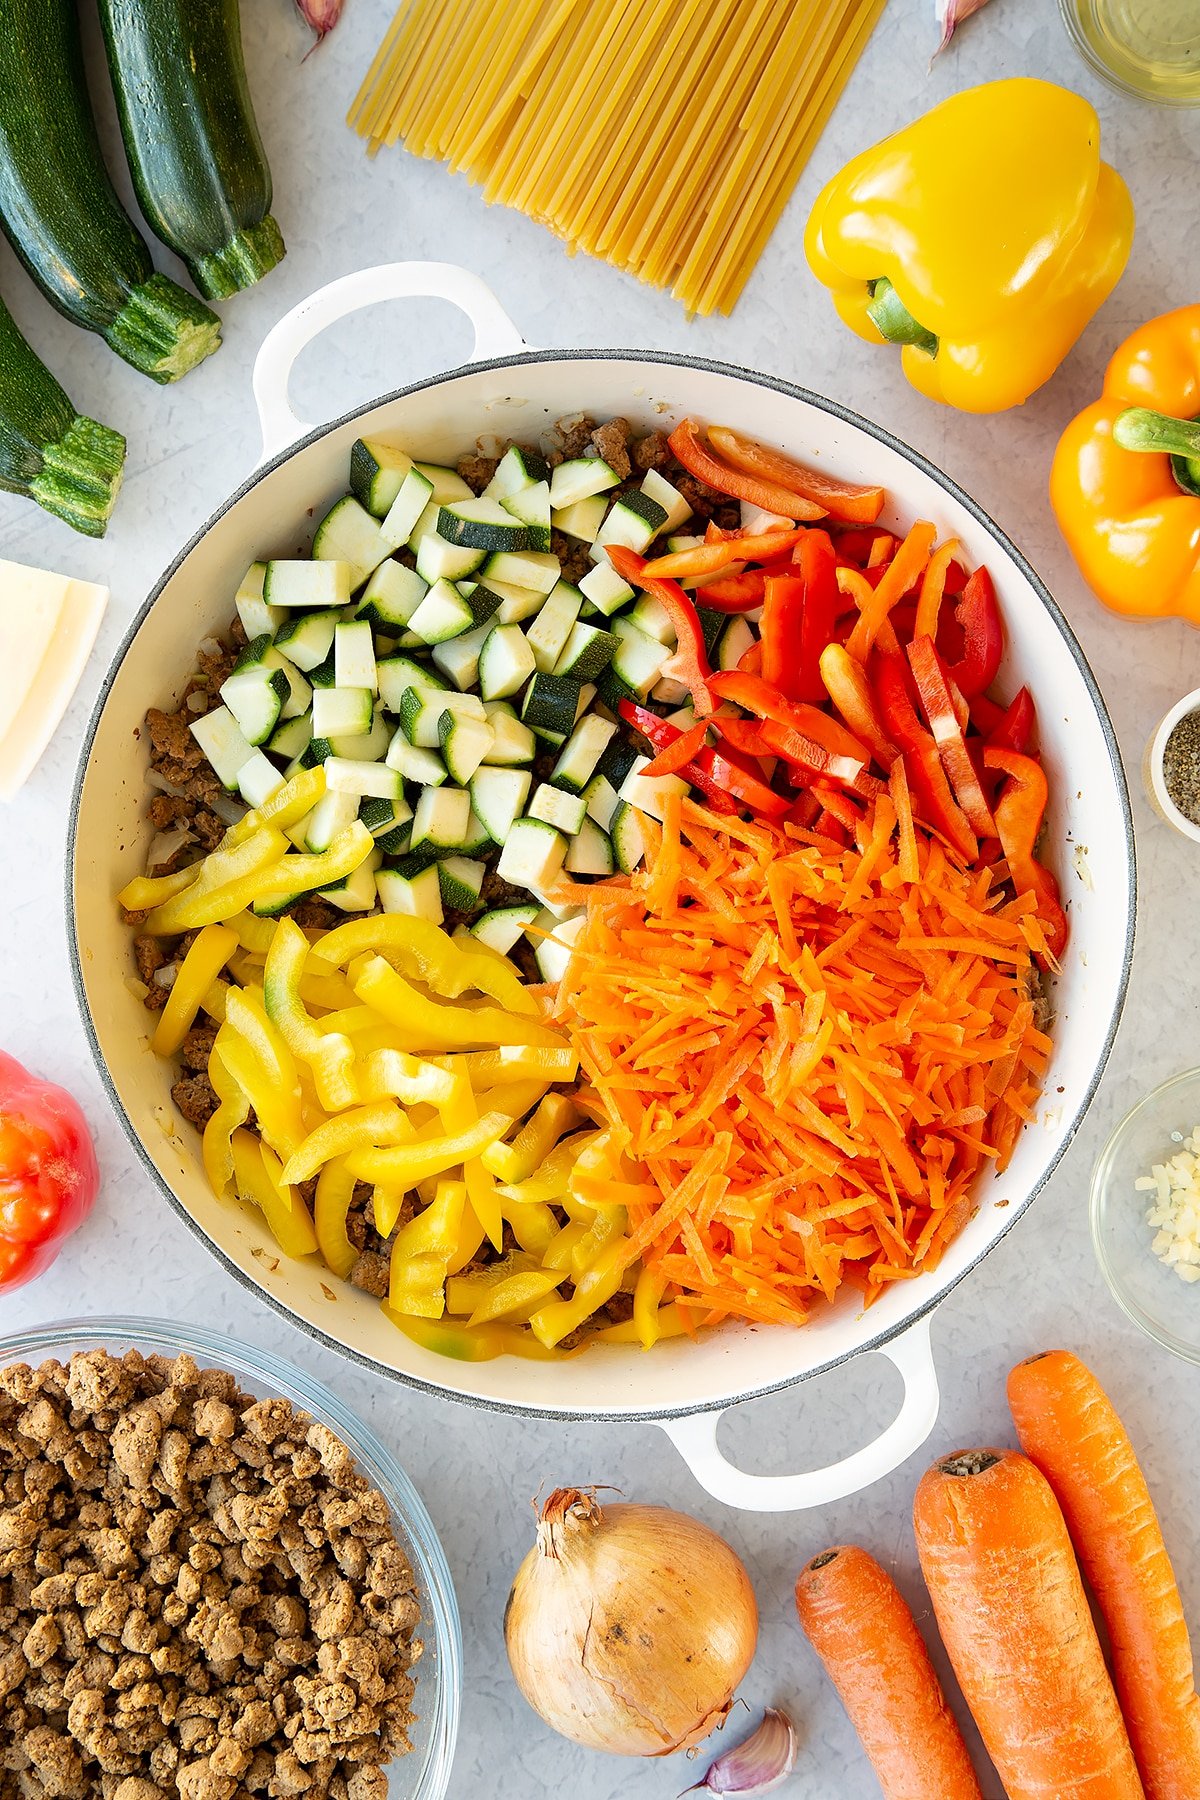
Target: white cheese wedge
<point>48,625</point>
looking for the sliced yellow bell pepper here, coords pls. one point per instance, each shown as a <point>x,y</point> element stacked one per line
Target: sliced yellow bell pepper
<point>394,1073</point>
<point>407,1164</point>
<point>331,1206</point>
<point>234,1110</point>
<point>257,1178</point>
<point>253,934</point>
<point>670,1322</point>
<point>286,806</point>
<point>608,1223</point>
<point>260,1061</point>
<point>512,1293</point>
<point>481,1344</point>
<point>470,1237</point>
<point>551,1181</point>
<point>515,1062</point>
<point>647,1305</point>
<point>562,1247</point>
<point>326,991</point>
<point>516,1161</point>
<point>421,1253</point>
<point>516,1098</point>
<point>534,1226</point>
<point>146,891</point>
<point>460,1113</point>
<point>432,956</point>
<point>438,1026</point>
<point>551,1323</point>
<point>205,959</point>
<point>203,902</point>
<point>214,1001</point>
<point>273,881</point>
<point>329,1054</point>
<point>363,1127</point>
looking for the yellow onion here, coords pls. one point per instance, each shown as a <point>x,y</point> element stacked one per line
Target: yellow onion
<point>629,1627</point>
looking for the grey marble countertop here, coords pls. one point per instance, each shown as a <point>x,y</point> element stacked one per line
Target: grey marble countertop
<point>190,444</point>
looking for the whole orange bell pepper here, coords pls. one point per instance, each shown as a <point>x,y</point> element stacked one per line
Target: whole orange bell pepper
<point>1125,483</point>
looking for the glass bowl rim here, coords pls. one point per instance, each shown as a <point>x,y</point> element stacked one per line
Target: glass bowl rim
<point>1069,11</point>
<point>377,1462</point>
<point>1100,1187</point>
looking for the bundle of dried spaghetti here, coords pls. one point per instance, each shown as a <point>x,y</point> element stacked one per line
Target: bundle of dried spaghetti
<point>662,135</point>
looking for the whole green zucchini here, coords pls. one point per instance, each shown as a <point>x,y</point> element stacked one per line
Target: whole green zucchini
<point>70,465</point>
<point>194,151</point>
<point>61,211</point>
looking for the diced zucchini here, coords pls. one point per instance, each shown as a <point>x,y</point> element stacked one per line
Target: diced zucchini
<point>550,703</point>
<point>415,764</point>
<point>396,841</point>
<point>523,569</point>
<point>649,792</point>
<point>332,813</point>
<point>616,763</point>
<point>439,561</point>
<point>607,591</point>
<point>532,506</point>
<point>550,630</point>
<point>600,797</point>
<point>498,797</point>
<point>392,596</point>
<point>442,819</point>
<point>355,892</point>
<point>477,841</point>
<point>712,624</point>
<point>307,640</point>
<point>515,603</point>
<point>357,746</point>
<point>417,894</point>
<point>582,520</point>
<point>256,616</point>
<point>533,854</point>
<point>461,881</point>
<point>421,711</point>
<point>587,652</point>
<point>628,842</point>
<point>258,779</point>
<point>442,614</point>
<point>637,660</point>
<point>354,656</point>
<point>291,737</point>
<point>342,712</point>
<point>377,473</point>
<point>579,479</point>
<point>512,742</point>
<point>317,751</point>
<point>590,851</point>
<point>465,741</point>
<point>382,818</point>
<point>505,662</point>
<point>652,617</point>
<point>669,498</point>
<point>255,697</point>
<point>683,716</point>
<point>414,495</point>
<point>634,520</point>
<point>502,928</point>
<point>518,468</point>
<point>349,534</point>
<point>396,674</point>
<point>484,602</point>
<point>683,540</point>
<point>363,779</point>
<point>580,754</point>
<point>558,808</point>
<point>668,691</point>
<point>736,639</point>
<point>447,485</point>
<point>587,694</point>
<point>482,525</point>
<point>325,673</point>
<point>554,942</point>
<point>306,583</point>
<point>458,657</point>
<point>298,698</point>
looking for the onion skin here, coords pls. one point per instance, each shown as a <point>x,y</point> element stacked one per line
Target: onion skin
<point>629,1627</point>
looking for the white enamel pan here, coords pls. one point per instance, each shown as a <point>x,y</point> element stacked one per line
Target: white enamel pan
<point>510,389</point>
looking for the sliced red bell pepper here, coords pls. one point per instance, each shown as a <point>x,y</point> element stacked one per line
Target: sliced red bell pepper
<point>978,613</point>
<point>838,805</point>
<point>846,499</point>
<point>845,681</point>
<point>691,658</point>
<point>805,810</point>
<point>658,731</point>
<point>712,769</point>
<point>755,695</point>
<point>672,757</point>
<point>706,559</point>
<point>780,633</point>
<point>745,735</point>
<point>1020,811</point>
<point>904,570</point>
<point>750,661</point>
<point>855,544</point>
<point>985,715</point>
<point>1015,729</point>
<point>927,781</point>
<point>734,593</point>
<point>699,460</point>
<point>939,702</point>
<point>822,603</point>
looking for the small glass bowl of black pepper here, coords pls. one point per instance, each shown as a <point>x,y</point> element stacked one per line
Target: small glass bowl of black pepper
<point>1171,768</point>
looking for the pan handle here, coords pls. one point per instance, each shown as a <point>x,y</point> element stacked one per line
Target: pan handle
<point>695,1437</point>
<point>495,333</point>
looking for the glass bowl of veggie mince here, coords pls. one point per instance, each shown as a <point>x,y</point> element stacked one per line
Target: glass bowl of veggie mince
<point>424,1772</point>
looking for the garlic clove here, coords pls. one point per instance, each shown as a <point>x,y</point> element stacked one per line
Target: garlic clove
<point>758,1764</point>
<point>950,15</point>
<point>322,15</point>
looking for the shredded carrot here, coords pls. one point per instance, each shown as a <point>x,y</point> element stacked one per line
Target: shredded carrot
<point>810,1051</point>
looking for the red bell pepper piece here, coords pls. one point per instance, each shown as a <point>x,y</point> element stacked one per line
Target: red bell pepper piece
<point>838,806</point>
<point>691,657</point>
<point>758,696</point>
<point>978,613</point>
<point>815,561</point>
<point>845,681</point>
<point>48,1174</point>
<point>942,712</point>
<point>672,757</point>
<point>984,714</point>
<point>848,499</point>
<point>699,460</point>
<point>712,769</point>
<point>1020,811</point>
<point>706,559</point>
<point>744,735</point>
<point>855,543</point>
<point>658,731</point>
<point>780,629</point>
<point>922,765</point>
<point>1015,729</point>
<point>734,593</point>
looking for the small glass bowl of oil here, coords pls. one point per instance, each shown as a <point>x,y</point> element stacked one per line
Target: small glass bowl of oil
<point>1148,48</point>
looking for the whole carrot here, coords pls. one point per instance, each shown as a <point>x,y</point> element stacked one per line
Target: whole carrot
<point>1014,1619</point>
<point>1070,1429</point>
<point>859,1625</point>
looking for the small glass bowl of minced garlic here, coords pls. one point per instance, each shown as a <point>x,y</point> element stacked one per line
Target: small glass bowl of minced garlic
<point>1171,769</point>
<point>1145,1211</point>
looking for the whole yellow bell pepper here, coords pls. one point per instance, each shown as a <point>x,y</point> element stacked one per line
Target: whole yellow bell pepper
<point>1125,483</point>
<point>982,238</point>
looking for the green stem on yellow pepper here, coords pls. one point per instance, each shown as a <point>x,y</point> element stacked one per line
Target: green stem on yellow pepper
<point>894,321</point>
<point>1138,428</point>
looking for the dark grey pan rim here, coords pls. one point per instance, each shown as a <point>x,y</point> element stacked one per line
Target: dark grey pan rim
<point>666,359</point>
